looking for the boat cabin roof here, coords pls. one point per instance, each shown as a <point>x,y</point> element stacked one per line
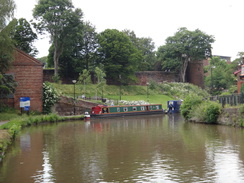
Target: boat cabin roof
<point>101,106</point>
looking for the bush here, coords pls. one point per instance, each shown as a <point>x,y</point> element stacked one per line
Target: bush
<point>212,111</point>
<point>50,97</point>
<point>190,102</point>
<point>197,113</point>
<point>207,111</point>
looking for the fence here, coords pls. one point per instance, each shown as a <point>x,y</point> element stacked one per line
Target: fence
<point>234,99</point>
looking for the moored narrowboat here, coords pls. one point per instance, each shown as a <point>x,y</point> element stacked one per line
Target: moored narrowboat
<point>126,110</point>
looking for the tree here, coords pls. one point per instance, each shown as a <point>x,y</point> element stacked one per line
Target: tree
<point>90,46</point>
<point>24,37</point>
<point>146,47</point>
<point>6,45</point>
<point>238,61</point>
<point>84,78</point>
<point>61,20</point>
<point>101,81</point>
<point>184,47</point>
<point>80,53</point>
<point>7,83</point>
<point>220,76</point>
<point>43,60</point>
<point>118,55</point>
<point>7,8</point>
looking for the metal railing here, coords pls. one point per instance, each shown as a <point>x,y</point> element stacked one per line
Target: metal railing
<point>234,99</point>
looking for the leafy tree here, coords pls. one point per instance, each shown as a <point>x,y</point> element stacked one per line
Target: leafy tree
<point>7,8</point>
<point>220,76</point>
<point>242,88</point>
<point>90,46</point>
<point>146,47</point>
<point>118,55</point>
<point>24,37</point>
<point>184,47</point>
<point>43,60</point>
<point>61,20</point>
<point>101,81</point>
<point>100,75</point>
<point>6,45</point>
<point>7,84</point>
<point>238,62</point>
<point>84,78</point>
<point>80,53</point>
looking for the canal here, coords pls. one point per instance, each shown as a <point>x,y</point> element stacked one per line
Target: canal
<point>157,148</point>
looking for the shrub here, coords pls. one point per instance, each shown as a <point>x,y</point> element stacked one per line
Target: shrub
<point>212,111</point>
<point>50,97</point>
<point>190,102</point>
<point>207,111</point>
<point>197,114</point>
<point>241,110</point>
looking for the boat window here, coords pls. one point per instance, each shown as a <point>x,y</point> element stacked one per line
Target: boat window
<point>125,109</point>
<point>105,110</point>
<point>134,108</point>
<point>118,109</point>
<point>142,108</point>
<point>157,107</point>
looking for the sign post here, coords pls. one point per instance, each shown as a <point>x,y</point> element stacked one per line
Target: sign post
<point>25,104</point>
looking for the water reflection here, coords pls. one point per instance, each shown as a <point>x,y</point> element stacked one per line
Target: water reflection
<point>45,175</point>
<point>157,148</point>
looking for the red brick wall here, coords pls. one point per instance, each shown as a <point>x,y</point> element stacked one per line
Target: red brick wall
<point>239,85</point>
<point>195,73</point>
<point>157,76</point>
<point>28,73</point>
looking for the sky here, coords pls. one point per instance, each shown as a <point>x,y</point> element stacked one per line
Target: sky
<point>159,19</point>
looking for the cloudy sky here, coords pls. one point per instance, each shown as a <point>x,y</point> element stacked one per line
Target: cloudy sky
<point>159,19</point>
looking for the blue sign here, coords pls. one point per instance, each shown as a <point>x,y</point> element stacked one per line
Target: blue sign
<point>26,108</point>
<point>25,103</point>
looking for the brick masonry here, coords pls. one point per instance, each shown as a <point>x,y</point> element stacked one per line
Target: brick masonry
<point>157,76</point>
<point>195,73</point>
<point>28,73</point>
<point>66,106</point>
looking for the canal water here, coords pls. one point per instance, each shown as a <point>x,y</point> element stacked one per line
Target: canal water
<point>157,148</point>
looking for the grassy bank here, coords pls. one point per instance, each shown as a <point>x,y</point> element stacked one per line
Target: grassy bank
<point>8,113</point>
<point>153,93</point>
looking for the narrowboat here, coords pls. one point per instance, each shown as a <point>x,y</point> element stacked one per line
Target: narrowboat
<point>126,110</point>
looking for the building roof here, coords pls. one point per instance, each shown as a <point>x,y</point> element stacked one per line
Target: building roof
<point>23,59</point>
<point>236,72</point>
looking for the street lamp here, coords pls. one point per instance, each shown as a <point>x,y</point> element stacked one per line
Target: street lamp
<point>147,92</point>
<point>74,82</point>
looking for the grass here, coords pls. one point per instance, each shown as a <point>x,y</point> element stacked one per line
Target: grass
<point>5,116</point>
<point>7,113</point>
